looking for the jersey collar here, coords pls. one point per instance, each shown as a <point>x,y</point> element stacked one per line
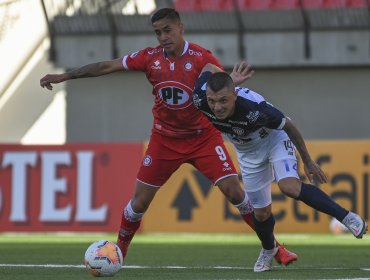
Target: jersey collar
<point>186,47</point>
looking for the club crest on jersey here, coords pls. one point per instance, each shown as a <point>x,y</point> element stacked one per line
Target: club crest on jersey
<point>253,116</point>
<point>188,66</point>
<point>174,95</point>
<point>197,101</point>
<point>147,160</point>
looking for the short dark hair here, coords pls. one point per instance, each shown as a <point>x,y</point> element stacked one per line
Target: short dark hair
<point>167,13</point>
<point>220,80</point>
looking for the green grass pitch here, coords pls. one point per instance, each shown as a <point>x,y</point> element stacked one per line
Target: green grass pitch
<point>184,256</point>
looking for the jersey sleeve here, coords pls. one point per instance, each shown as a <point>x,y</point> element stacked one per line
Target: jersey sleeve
<point>135,61</point>
<point>209,58</point>
<point>199,93</point>
<point>270,117</point>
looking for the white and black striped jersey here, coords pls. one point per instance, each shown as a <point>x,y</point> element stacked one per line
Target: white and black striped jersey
<point>253,117</point>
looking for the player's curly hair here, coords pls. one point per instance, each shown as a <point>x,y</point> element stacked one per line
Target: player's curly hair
<point>220,80</point>
<point>167,13</point>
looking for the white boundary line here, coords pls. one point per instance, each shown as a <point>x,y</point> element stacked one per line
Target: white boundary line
<point>170,267</point>
<point>179,267</point>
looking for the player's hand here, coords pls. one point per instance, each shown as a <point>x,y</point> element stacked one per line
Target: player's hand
<point>49,79</point>
<point>313,169</point>
<point>242,71</point>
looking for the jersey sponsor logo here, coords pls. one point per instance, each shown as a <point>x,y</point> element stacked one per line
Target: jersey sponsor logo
<point>134,54</point>
<point>188,66</point>
<point>238,130</point>
<point>226,167</point>
<point>147,160</point>
<point>239,122</point>
<point>151,52</point>
<point>192,52</point>
<point>237,139</point>
<point>221,123</point>
<point>174,95</point>
<point>157,65</point>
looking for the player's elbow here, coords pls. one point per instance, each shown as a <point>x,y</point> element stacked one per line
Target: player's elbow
<point>209,67</point>
<point>110,66</point>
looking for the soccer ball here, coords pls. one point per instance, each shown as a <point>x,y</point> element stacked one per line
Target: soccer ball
<point>337,227</point>
<point>103,258</point>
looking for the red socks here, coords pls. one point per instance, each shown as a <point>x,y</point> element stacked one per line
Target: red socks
<point>248,218</point>
<point>126,233</point>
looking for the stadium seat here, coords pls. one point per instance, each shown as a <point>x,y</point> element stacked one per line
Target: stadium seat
<point>285,4</point>
<point>187,5</point>
<point>181,6</point>
<point>204,5</point>
<point>312,4</point>
<point>358,3</point>
<point>228,5</point>
<point>254,4</point>
<point>323,4</point>
<point>334,4</point>
<point>217,5</point>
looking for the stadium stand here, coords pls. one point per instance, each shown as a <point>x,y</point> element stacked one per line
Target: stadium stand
<point>228,5</point>
<point>270,34</point>
<point>254,4</point>
<point>285,4</point>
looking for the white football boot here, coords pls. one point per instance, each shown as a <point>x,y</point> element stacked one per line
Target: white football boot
<point>355,224</point>
<point>265,259</point>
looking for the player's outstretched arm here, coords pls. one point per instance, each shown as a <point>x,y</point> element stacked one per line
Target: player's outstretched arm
<point>311,168</point>
<point>89,70</point>
<point>242,71</point>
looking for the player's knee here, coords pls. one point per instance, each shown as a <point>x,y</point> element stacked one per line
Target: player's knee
<point>262,214</point>
<point>231,188</point>
<point>237,197</point>
<point>290,187</point>
<point>234,195</point>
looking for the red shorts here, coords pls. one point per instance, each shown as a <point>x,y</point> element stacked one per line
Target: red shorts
<point>164,155</point>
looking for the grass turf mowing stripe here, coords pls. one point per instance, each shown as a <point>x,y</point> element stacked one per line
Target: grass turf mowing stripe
<point>185,256</point>
<point>169,267</point>
<point>184,238</point>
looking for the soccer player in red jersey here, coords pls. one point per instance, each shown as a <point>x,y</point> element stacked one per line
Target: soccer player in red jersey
<point>180,133</point>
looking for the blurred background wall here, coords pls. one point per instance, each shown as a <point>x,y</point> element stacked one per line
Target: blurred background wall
<point>312,60</point>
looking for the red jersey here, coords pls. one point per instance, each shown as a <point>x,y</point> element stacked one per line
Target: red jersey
<point>173,81</point>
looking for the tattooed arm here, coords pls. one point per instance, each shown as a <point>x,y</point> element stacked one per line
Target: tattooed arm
<point>89,70</point>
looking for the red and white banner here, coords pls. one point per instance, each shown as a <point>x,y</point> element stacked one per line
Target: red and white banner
<point>75,187</point>
<point>83,187</point>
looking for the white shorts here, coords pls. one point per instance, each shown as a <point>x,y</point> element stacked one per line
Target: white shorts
<point>272,158</point>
